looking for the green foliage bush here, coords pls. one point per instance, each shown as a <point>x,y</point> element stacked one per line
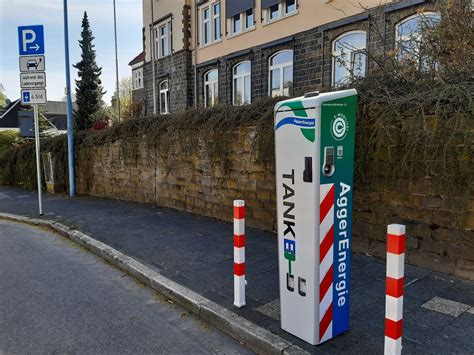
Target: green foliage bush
<point>18,164</point>
<point>416,122</point>
<point>8,139</point>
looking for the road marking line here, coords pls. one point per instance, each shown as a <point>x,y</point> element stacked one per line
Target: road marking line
<point>411,282</point>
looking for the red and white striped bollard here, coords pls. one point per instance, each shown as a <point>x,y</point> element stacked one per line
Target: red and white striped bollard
<point>394,289</point>
<point>239,253</point>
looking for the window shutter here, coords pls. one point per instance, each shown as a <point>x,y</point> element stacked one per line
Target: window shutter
<point>234,7</point>
<point>269,3</point>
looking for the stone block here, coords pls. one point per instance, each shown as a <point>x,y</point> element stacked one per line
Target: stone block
<point>432,201</point>
<point>422,230</point>
<point>263,195</point>
<point>248,185</point>
<point>471,205</point>
<point>446,218</point>
<point>469,224</point>
<point>394,198</point>
<point>464,269</point>
<point>377,248</point>
<point>231,184</point>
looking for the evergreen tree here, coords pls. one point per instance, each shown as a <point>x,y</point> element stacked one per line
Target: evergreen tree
<point>3,97</point>
<point>88,88</point>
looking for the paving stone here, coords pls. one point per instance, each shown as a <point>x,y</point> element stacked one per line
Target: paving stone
<point>271,309</point>
<point>458,340</point>
<point>464,321</point>
<point>422,325</point>
<point>415,272</point>
<point>462,292</point>
<point>430,286</point>
<point>451,308</point>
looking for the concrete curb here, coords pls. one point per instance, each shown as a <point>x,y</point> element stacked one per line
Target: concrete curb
<point>251,335</point>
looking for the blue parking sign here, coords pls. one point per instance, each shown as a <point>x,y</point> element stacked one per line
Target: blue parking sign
<point>31,40</point>
<point>26,96</point>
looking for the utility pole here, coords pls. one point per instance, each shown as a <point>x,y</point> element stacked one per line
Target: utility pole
<point>116,65</point>
<point>70,120</point>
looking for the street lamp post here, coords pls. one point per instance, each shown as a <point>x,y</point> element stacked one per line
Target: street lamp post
<point>116,65</point>
<point>70,120</point>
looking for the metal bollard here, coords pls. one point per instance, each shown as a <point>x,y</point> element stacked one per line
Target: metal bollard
<point>239,253</point>
<point>394,289</point>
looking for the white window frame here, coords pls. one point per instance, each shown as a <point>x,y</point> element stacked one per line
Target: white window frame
<point>281,67</point>
<point>159,49</point>
<point>245,17</point>
<point>137,78</point>
<point>416,35</point>
<point>242,76</point>
<point>282,13</point>
<point>233,31</point>
<point>156,47</point>
<point>214,85</point>
<point>211,21</point>
<point>166,93</point>
<point>351,53</point>
<point>216,18</point>
<point>243,23</point>
<point>205,22</point>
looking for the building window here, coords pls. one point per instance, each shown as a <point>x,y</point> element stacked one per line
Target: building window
<point>242,22</point>
<point>164,97</point>
<point>282,9</point>
<point>163,40</point>
<point>241,83</point>
<point>409,35</point>
<point>211,88</point>
<point>216,9</point>
<point>137,79</point>
<point>249,19</point>
<point>281,74</point>
<point>211,24</point>
<point>206,25</point>
<point>274,12</point>
<point>237,23</point>
<point>349,57</point>
<point>290,6</point>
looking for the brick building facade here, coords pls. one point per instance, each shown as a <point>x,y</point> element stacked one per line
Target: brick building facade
<point>180,76</point>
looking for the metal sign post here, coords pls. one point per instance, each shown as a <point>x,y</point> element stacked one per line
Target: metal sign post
<point>38,161</point>
<point>33,83</point>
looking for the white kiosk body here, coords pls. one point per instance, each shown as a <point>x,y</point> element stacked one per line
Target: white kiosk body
<point>314,138</point>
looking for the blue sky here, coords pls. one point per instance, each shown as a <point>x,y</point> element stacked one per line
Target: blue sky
<point>14,13</point>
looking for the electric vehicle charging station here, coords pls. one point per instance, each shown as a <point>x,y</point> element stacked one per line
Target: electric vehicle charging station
<point>314,147</point>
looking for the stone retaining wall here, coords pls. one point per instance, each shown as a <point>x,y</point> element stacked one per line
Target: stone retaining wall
<point>184,176</point>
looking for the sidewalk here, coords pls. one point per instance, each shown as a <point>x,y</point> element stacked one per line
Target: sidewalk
<point>197,252</point>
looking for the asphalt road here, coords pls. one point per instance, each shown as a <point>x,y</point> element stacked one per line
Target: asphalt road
<point>55,297</point>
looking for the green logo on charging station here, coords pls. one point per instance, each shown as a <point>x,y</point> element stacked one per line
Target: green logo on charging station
<point>339,127</point>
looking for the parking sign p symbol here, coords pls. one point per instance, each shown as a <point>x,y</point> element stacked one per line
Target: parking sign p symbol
<point>28,36</point>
